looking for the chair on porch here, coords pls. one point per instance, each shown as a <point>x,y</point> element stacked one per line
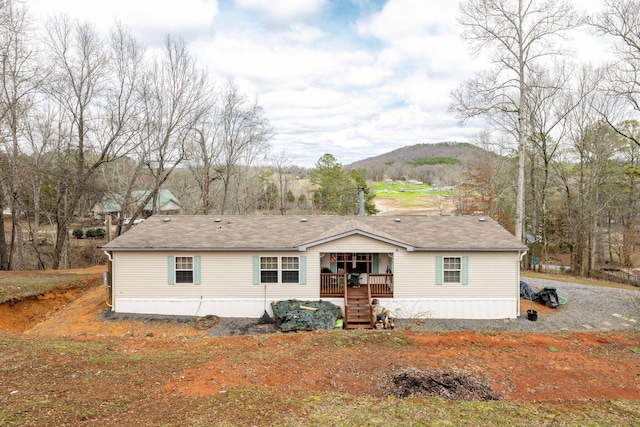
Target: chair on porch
<point>353,279</point>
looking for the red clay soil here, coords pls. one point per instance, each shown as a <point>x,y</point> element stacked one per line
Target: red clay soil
<point>563,366</point>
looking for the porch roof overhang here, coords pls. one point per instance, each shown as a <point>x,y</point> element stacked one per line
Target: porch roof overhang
<point>305,246</point>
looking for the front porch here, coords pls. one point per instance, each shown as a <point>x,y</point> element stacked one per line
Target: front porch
<point>333,284</point>
<point>356,278</point>
<point>340,270</point>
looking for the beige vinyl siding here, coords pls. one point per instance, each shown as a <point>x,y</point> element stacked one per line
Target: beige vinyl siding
<point>223,275</point>
<point>491,275</point>
<point>356,243</point>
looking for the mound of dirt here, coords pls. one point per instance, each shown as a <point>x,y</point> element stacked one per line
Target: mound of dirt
<point>448,385</point>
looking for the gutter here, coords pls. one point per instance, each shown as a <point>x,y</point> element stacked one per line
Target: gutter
<point>108,280</point>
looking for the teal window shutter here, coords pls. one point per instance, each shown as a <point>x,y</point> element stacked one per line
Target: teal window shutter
<point>376,263</point>
<point>438,270</point>
<point>171,265</point>
<point>303,270</point>
<point>256,270</point>
<point>464,274</point>
<point>196,270</point>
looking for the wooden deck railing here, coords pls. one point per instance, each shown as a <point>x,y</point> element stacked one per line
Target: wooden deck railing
<point>332,284</point>
<point>381,284</point>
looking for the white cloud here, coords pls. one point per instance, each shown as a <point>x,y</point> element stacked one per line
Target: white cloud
<point>284,10</point>
<point>355,86</point>
<point>402,18</point>
<point>150,20</point>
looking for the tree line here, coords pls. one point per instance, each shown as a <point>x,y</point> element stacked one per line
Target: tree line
<point>569,172</point>
<point>83,114</point>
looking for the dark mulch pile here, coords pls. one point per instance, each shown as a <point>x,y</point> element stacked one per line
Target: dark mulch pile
<point>445,384</point>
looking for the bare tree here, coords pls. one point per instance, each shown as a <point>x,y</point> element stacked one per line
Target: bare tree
<point>627,194</point>
<point>172,108</point>
<point>584,172</point>
<point>95,87</point>
<point>205,151</point>
<point>42,135</point>
<point>19,80</point>
<point>281,163</point>
<point>244,135</point>
<point>519,34</point>
<point>550,102</point>
<point>621,19</point>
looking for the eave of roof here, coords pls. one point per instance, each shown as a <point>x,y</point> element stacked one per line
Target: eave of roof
<point>297,233</point>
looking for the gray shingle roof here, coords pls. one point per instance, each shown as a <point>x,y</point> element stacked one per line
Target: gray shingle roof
<point>239,232</point>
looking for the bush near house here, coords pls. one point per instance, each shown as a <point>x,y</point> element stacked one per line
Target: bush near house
<point>96,233</point>
<point>78,233</point>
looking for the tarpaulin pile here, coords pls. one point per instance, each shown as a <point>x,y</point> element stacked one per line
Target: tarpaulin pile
<point>546,296</point>
<point>294,315</point>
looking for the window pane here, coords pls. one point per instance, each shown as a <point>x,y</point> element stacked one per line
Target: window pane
<point>290,263</point>
<point>268,276</point>
<point>184,263</point>
<point>185,276</point>
<point>269,263</point>
<point>451,263</point>
<point>451,277</point>
<point>290,276</point>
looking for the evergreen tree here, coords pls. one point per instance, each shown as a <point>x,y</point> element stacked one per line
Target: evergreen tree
<point>336,192</point>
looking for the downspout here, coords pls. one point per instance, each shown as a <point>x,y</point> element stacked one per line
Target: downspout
<point>108,280</point>
<point>522,254</point>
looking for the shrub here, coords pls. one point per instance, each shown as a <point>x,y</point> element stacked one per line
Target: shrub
<point>98,233</point>
<point>78,233</point>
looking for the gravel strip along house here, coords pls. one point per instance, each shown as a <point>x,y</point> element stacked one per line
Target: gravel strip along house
<point>440,267</point>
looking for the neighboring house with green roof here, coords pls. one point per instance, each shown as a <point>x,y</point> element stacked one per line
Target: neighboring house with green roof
<point>444,267</point>
<point>112,203</point>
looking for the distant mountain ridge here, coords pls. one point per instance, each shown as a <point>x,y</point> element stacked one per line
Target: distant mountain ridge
<point>463,151</point>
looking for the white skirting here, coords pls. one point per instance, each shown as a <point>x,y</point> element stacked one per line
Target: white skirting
<point>222,307</point>
<point>450,308</point>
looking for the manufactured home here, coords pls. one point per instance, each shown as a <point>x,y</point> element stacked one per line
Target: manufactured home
<point>462,267</point>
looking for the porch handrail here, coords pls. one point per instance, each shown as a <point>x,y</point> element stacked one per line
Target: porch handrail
<point>332,284</point>
<point>381,283</point>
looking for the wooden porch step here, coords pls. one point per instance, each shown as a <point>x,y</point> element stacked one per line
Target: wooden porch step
<point>358,314</point>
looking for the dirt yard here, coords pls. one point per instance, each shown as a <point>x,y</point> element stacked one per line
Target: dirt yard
<point>64,330</point>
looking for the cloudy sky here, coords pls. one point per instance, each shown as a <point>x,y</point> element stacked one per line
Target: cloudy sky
<point>354,78</point>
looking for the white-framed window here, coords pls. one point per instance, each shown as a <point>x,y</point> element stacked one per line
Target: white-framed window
<point>269,269</point>
<point>451,269</point>
<point>184,269</point>
<point>290,269</point>
<point>275,269</point>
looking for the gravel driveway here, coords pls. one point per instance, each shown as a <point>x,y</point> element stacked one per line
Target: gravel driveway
<point>589,308</point>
